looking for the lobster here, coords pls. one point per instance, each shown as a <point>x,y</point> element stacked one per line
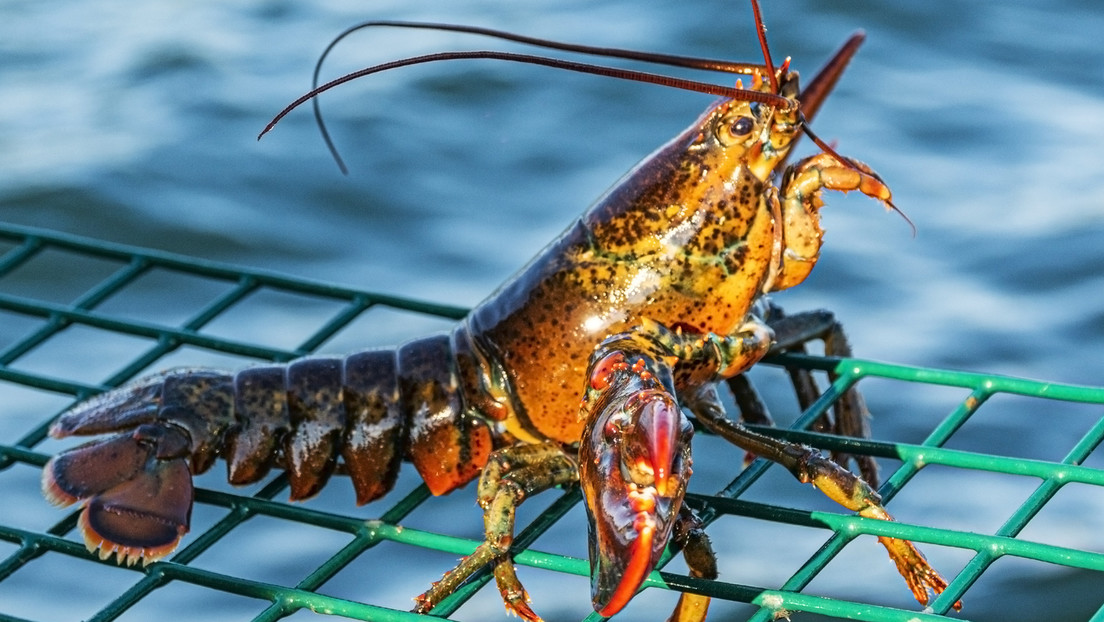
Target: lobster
<point>643,305</point>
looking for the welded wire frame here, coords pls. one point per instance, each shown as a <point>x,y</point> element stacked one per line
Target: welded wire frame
<point>21,245</point>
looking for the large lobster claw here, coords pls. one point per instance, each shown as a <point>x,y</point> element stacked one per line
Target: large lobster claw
<point>634,465</point>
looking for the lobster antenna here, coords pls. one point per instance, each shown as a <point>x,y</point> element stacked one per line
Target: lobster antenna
<point>689,62</point>
<point>810,99</point>
<point>769,99</point>
<point>761,30</point>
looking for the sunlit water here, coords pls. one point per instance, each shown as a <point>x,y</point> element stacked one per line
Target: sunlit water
<point>136,123</point>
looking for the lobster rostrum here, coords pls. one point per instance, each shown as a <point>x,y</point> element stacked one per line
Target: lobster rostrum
<point>643,305</point>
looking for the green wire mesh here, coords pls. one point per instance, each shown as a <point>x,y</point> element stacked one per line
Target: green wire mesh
<point>32,321</point>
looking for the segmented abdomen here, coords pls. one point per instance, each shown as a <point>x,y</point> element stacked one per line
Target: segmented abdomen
<point>371,409</point>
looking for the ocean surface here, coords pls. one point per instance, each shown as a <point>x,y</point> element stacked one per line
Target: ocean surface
<point>137,123</point>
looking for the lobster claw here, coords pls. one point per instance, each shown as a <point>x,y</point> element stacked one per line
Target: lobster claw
<point>634,471</point>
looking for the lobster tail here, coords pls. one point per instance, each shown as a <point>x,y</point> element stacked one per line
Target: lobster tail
<point>137,487</point>
<point>447,447</point>
<point>202,402</point>
<point>295,411</point>
<point>373,444</point>
<point>262,413</point>
<point>367,411</point>
<point>316,411</point>
<point>313,410</point>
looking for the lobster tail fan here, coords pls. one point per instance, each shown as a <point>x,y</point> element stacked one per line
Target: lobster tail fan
<point>137,492</point>
<point>144,518</point>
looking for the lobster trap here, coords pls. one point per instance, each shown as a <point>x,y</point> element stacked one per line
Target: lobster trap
<point>1012,519</point>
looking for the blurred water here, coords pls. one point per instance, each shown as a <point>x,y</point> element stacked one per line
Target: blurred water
<point>136,123</point>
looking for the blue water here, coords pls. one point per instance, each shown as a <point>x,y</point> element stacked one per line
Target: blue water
<point>136,123</point>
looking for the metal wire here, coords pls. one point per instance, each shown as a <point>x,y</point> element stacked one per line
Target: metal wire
<point>130,265</point>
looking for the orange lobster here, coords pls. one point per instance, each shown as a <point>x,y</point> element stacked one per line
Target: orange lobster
<point>644,304</point>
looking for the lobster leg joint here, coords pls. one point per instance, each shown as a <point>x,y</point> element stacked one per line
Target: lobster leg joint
<point>512,474</point>
<point>701,561</point>
<point>852,418</point>
<point>840,485</point>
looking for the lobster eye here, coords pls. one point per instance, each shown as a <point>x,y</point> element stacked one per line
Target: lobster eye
<point>742,127</point>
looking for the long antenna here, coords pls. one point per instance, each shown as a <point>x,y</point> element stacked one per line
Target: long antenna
<point>769,99</point>
<point>809,100</point>
<point>689,62</point>
<point>761,30</point>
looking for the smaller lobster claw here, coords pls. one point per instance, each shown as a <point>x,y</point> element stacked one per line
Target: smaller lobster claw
<point>634,464</point>
<point>136,488</point>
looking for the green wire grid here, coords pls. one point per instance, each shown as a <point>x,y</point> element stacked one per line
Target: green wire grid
<point>21,245</point>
